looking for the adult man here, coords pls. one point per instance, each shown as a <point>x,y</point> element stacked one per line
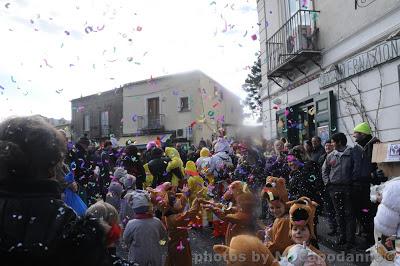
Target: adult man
<point>369,174</point>
<point>318,150</point>
<point>337,172</point>
<point>328,204</point>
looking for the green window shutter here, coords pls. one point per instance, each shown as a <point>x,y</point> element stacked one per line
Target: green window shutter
<point>325,115</point>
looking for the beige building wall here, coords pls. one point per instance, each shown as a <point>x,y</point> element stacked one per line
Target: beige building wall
<point>195,85</point>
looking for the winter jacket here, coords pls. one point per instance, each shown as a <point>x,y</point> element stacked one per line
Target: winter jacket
<point>220,162</point>
<point>366,167</point>
<point>134,166</point>
<point>340,167</point>
<point>37,228</point>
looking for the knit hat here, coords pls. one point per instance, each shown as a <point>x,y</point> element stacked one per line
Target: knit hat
<point>302,213</point>
<point>119,173</point>
<point>150,145</point>
<point>115,187</point>
<point>204,152</point>
<point>363,128</point>
<point>128,181</point>
<point>387,218</point>
<point>140,201</point>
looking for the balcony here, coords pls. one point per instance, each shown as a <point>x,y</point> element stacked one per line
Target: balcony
<point>293,44</point>
<point>151,123</point>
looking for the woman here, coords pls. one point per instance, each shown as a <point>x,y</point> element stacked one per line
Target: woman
<point>36,227</point>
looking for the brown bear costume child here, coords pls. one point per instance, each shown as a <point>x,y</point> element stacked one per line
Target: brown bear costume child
<point>302,213</point>
<point>278,236</point>
<point>246,250</point>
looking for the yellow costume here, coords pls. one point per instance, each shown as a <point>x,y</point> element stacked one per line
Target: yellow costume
<point>175,165</point>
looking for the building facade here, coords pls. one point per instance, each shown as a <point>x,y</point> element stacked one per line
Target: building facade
<point>97,115</point>
<point>329,65</point>
<point>187,107</point>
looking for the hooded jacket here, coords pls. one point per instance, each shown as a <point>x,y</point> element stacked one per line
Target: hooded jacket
<point>340,167</point>
<point>366,167</point>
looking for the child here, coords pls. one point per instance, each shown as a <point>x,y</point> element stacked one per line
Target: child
<point>143,234</point>
<point>277,238</point>
<point>203,165</point>
<point>109,220</point>
<point>126,212</point>
<point>241,220</point>
<point>179,252</point>
<point>114,194</point>
<point>302,213</point>
<point>245,250</point>
<point>195,187</point>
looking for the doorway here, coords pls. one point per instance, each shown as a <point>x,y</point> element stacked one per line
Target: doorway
<point>153,112</point>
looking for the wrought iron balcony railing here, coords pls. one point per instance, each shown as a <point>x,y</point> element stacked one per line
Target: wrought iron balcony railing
<point>151,122</point>
<point>293,44</point>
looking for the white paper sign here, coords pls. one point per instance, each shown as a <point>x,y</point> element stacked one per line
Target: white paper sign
<point>393,152</point>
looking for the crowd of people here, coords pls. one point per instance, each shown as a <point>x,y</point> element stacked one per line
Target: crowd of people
<point>78,204</point>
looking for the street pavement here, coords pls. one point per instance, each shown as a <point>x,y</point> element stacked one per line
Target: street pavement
<point>202,241</point>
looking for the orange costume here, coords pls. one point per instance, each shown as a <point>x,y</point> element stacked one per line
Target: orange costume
<point>179,252</point>
<point>279,239</point>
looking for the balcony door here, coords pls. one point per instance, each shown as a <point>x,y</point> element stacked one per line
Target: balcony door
<point>153,112</point>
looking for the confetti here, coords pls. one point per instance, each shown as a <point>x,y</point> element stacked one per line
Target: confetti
<point>47,64</point>
<point>134,117</point>
<point>139,28</point>
<point>215,105</point>
<point>12,79</point>
<point>180,247</point>
<point>211,113</point>
<point>254,37</point>
<point>7,5</point>
<point>225,27</point>
<point>162,242</point>
<point>130,59</point>
<point>100,28</point>
<point>213,3</point>
<point>286,112</point>
<point>59,91</point>
<point>193,123</point>
<point>245,34</point>
<point>175,93</point>
<point>88,29</point>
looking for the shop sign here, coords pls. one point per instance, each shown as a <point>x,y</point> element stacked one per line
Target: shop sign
<point>364,61</point>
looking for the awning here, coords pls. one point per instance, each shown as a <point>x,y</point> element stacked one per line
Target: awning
<point>143,140</point>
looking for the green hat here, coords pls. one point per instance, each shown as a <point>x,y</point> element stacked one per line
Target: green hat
<point>363,128</point>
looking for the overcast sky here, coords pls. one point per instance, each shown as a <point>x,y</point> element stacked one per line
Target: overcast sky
<point>53,51</point>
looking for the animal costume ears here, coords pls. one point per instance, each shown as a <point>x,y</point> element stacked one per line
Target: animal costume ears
<point>302,213</point>
<point>275,189</point>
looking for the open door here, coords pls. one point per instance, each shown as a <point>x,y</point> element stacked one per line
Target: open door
<point>325,115</point>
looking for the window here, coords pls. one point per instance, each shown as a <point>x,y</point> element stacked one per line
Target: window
<point>184,104</point>
<point>86,122</point>
<point>292,6</point>
<point>105,128</point>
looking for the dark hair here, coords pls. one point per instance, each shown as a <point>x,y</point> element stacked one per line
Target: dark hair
<point>317,137</point>
<point>29,148</point>
<point>328,141</point>
<point>84,140</point>
<point>107,143</point>
<point>131,150</point>
<point>156,153</point>
<point>283,139</point>
<point>308,142</point>
<point>298,152</point>
<point>339,138</point>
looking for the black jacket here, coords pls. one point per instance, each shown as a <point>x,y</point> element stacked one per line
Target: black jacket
<point>157,168</point>
<point>364,151</point>
<point>37,228</point>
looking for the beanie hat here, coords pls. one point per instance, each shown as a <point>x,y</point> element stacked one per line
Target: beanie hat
<point>140,201</point>
<point>119,173</point>
<point>128,181</point>
<point>115,188</point>
<point>204,152</point>
<point>156,153</point>
<point>363,128</point>
<point>387,218</point>
<point>150,145</point>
